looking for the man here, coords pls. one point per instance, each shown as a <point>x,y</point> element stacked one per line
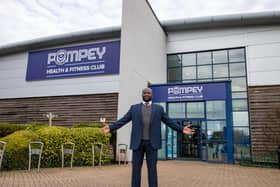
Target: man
<point>145,135</point>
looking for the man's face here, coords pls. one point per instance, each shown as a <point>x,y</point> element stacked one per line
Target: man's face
<point>147,95</point>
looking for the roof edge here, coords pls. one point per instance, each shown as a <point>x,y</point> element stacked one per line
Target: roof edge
<point>258,18</point>
<point>96,34</point>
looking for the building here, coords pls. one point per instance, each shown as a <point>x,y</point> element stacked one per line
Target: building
<point>221,74</point>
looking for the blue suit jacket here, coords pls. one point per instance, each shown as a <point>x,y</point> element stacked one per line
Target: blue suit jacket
<point>157,116</point>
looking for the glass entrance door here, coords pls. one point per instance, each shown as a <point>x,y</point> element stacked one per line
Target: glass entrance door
<point>189,146</point>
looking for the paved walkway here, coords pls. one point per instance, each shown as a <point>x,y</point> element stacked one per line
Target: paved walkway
<point>171,174</point>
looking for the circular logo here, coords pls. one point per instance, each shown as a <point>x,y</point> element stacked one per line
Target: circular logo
<point>61,56</point>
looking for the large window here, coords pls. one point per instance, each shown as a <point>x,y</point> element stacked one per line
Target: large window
<point>216,65</point>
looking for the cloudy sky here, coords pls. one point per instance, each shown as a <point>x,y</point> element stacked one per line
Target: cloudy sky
<point>22,20</point>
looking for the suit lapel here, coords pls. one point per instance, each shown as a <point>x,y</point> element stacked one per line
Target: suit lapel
<point>139,112</point>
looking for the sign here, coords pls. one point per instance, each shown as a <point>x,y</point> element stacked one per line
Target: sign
<point>91,59</point>
<point>189,92</point>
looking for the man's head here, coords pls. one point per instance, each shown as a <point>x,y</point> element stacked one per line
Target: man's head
<point>147,94</point>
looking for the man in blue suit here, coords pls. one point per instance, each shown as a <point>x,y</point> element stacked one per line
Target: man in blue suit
<point>145,135</point>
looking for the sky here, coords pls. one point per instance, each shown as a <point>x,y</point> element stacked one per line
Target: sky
<point>22,20</point>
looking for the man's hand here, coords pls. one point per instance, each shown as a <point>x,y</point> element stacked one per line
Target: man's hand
<point>188,130</point>
<point>105,129</point>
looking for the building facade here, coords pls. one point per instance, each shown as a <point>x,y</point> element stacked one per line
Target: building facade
<point>221,74</point>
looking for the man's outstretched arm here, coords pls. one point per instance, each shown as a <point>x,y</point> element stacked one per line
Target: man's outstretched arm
<point>118,124</point>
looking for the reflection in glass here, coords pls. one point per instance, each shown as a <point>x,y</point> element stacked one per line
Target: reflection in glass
<point>239,104</point>
<point>174,74</point>
<point>195,110</point>
<point>176,110</point>
<point>238,84</point>
<point>204,72</point>
<point>203,140</point>
<point>215,110</point>
<point>189,59</point>
<point>203,58</point>
<point>237,69</point>
<point>216,130</point>
<point>236,55</point>
<point>241,135</point>
<point>241,151</point>
<point>240,119</point>
<point>162,151</point>
<point>220,70</point>
<point>189,73</point>
<point>173,60</point>
<point>217,151</point>
<point>220,57</point>
<point>239,95</point>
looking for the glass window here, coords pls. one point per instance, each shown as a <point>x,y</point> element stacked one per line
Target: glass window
<point>189,73</point>
<point>204,58</point>
<point>241,151</point>
<point>239,104</point>
<point>177,110</point>
<point>195,110</point>
<point>237,69</point>
<point>215,110</point>
<point>162,151</point>
<point>173,60</point>
<point>174,74</point>
<point>216,130</point>
<point>220,70</point>
<point>239,95</point>
<point>217,151</point>
<point>238,84</point>
<point>240,119</point>
<point>220,57</point>
<point>236,55</point>
<point>189,59</point>
<point>204,72</point>
<point>241,136</point>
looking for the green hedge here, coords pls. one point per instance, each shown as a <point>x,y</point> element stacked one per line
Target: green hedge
<point>16,154</point>
<point>6,128</point>
<point>80,125</point>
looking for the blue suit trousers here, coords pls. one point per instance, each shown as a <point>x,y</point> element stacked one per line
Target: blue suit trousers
<point>145,147</point>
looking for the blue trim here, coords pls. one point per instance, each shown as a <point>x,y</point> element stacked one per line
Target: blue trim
<point>229,128</point>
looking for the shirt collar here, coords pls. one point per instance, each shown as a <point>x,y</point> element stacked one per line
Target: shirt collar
<point>149,103</point>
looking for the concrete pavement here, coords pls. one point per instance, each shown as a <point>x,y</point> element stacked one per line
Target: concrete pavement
<point>171,174</point>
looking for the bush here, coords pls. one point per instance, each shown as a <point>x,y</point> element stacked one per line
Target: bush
<point>16,153</point>
<point>83,138</point>
<point>80,125</point>
<point>6,128</point>
<point>52,137</point>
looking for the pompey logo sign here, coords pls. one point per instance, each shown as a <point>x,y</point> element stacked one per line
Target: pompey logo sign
<point>93,59</point>
<point>189,92</point>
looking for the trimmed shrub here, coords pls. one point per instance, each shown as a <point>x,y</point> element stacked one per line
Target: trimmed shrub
<point>16,153</point>
<point>83,139</point>
<point>53,137</point>
<point>80,125</point>
<point>6,128</point>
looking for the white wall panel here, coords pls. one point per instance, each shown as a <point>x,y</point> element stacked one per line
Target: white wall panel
<point>143,56</point>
